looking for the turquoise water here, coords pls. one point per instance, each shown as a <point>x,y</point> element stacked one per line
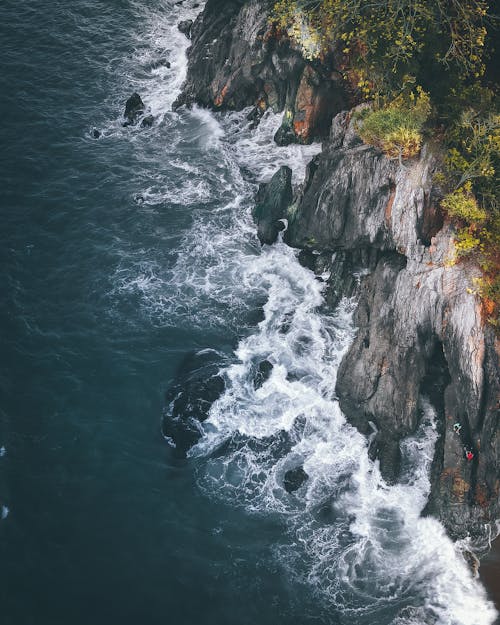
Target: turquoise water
<point>121,256</point>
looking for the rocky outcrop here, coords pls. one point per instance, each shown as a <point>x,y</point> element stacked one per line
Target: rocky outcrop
<point>197,385</point>
<point>420,328</point>
<point>134,108</point>
<point>238,59</point>
<point>375,224</point>
<point>272,202</point>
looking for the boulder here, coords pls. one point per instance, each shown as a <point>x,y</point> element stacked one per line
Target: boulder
<point>197,385</point>
<point>273,200</point>
<point>147,121</point>
<point>185,27</point>
<point>262,374</point>
<point>134,108</point>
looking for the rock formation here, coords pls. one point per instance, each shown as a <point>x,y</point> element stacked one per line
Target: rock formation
<point>376,225</point>
<point>237,59</point>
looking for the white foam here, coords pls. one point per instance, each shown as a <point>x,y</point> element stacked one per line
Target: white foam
<point>4,513</point>
<point>3,451</point>
<point>363,543</point>
<point>256,151</point>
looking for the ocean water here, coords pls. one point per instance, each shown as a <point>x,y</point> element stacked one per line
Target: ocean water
<point>121,257</point>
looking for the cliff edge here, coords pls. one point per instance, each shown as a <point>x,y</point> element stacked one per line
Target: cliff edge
<point>375,225</point>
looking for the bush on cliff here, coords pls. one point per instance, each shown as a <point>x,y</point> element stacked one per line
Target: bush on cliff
<point>397,127</point>
<point>385,49</point>
<point>385,40</point>
<point>471,169</point>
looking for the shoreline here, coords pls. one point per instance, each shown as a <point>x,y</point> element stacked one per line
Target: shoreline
<point>489,574</point>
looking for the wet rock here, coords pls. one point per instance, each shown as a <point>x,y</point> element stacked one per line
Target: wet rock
<point>147,121</point>
<point>262,374</point>
<point>273,200</point>
<point>185,27</point>
<point>197,385</point>
<point>285,134</point>
<point>239,59</point>
<point>420,329</point>
<point>134,108</point>
<point>96,133</point>
<point>294,478</point>
<point>160,63</point>
<point>472,561</point>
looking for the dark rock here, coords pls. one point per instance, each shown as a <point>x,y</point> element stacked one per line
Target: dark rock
<point>239,59</point>
<point>285,134</point>
<point>160,63</point>
<point>256,114</point>
<point>147,121</point>
<point>134,108</point>
<point>273,200</point>
<point>197,385</point>
<point>96,133</point>
<point>185,27</point>
<point>420,329</point>
<point>294,478</point>
<point>262,374</point>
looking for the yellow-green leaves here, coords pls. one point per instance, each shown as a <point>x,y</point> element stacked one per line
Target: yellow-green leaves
<point>397,127</point>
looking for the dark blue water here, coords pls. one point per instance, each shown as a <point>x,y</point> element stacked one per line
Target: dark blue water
<point>120,256</point>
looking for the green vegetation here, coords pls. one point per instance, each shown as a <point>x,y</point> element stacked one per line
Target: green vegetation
<point>397,128</point>
<point>423,66</point>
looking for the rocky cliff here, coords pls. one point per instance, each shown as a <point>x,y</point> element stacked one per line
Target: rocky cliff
<point>237,59</point>
<point>420,325</point>
<point>375,224</point>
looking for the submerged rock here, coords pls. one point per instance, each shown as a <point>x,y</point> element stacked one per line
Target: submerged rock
<point>273,200</point>
<point>262,374</point>
<point>160,63</point>
<point>134,108</point>
<point>147,121</point>
<point>294,478</point>
<point>197,385</point>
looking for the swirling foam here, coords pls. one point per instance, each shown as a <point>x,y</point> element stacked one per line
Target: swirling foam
<point>362,545</point>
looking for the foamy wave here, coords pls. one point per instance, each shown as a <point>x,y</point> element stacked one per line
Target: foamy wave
<point>361,544</point>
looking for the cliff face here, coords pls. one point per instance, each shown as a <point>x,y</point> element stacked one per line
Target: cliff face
<point>237,60</point>
<point>375,224</point>
<point>420,329</point>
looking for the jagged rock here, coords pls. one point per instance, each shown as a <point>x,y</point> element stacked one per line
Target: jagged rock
<point>197,385</point>
<point>294,478</point>
<point>147,121</point>
<point>273,200</point>
<point>185,27</point>
<point>134,108</point>
<point>237,59</point>
<point>420,327</point>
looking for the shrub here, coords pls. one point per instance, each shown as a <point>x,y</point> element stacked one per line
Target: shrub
<point>466,242</point>
<point>397,128</point>
<point>462,205</point>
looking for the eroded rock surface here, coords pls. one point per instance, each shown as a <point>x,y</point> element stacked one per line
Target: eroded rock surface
<point>420,328</point>
<point>238,59</point>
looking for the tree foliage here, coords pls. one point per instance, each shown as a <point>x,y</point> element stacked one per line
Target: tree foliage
<point>411,57</point>
<point>389,43</point>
